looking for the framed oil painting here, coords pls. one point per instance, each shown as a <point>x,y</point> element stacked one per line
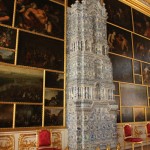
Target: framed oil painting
<point>44,17</point>
<point>117,99</point>
<point>118,117</point>
<point>139,114</point>
<point>53,117</point>
<point>7,56</point>
<point>146,73</point>
<point>40,52</point>
<point>7,37</point>
<point>23,85</point>
<point>54,80</point>
<point>119,41</point>
<point>141,23</point>
<point>141,48</point>
<point>119,13</point>
<point>54,98</point>
<point>28,116</point>
<point>137,67</point>
<point>6,115</point>
<point>6,11</point>
<point>127,114</point>
<point>138,79</point>
<point>148,113</point>
<point>133,95</point>
<point>122,68</point>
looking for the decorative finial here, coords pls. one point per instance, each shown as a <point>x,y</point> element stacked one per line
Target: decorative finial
<point>118,146</point>
<point>108,147</point>
<point>97,148</point>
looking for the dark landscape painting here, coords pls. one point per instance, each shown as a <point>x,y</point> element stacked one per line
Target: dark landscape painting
<point>6,115</point>
<point>127,114</point>
<point>53,98</point>
<point>20,85</point>
<point>45,17</point>
<point>137,67</point>
<point>6,11</point>
<point>141,23</point>
<point>139,114</point>
<point>119,41</point>
<point>54,80</point>
<point>148,113</point>
<point>138,79</point>
<point>7,37</point>
<point>119,13</point>
<point>122,68</point>
<point>133,95</point>
<point>53,117</point>
<point>28,116</point>
<point>7,56</point>
<point>40,52</point>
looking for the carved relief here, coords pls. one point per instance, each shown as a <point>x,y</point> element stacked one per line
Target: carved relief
<point>7,142</point>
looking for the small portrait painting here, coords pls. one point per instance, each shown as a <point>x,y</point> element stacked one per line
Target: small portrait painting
<point>139,114</point>
<point>138,79</point>
<point>122,68</point>
<point>119,13</point>
<point>141,48</point>
<point>146,73</point>
<point>6,115</point>
<point>44,17</point>
<point>119,41</point>
<point>6,11</point>
<point>53,117</point>
<point>148,113</point>
<point>54,80</point>
<point>141,23</point>
<point>53,98</point>
<point>127,114</point>
<point>137,67</point>
<point>7,37</point>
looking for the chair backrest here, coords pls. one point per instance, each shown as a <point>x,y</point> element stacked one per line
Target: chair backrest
<point>127,130</point>
<point>148,127</point>
<point>44,138</point>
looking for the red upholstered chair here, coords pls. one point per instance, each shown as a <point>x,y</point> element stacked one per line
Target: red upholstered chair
<point>128,137</point>
<point>147,131</point>
<point>44,140</point>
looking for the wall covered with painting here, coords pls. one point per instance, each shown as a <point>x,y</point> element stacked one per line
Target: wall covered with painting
<point>32,63</point>
<point>128,34</point>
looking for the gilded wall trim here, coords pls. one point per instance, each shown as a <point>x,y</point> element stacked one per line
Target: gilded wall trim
<point>138,5</point>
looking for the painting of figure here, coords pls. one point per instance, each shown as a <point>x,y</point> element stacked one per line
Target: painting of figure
<point>119,41</point>
<point>53,98</point>
<point>139,114</point>
<point>119,13</point>
<point>137,67</point>
<point>141,48</point>
<point>6,115</point>
<point>7,37</point>
<point>141,23</point>
<point>45,17</point>
<point>40,52</point>
<point>20,85</point>
<point>6,11</point>
<point>146,73</point>
<point>53,117</point>
<point>28,116</point>
<point>54,80</point>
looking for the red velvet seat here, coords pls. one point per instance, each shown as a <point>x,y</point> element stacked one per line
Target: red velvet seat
<point>147,131</point>
<point>128,137</point>
<point>44,141</point>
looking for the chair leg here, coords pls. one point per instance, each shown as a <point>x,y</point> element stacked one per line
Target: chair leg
<point>132,146</point>
<point>141,146</point>
<point>124,145</point>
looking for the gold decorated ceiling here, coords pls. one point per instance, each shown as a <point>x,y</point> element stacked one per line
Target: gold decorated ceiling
<point>141,5</point>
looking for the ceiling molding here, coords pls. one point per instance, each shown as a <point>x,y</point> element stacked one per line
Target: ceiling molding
<point>140,5</point>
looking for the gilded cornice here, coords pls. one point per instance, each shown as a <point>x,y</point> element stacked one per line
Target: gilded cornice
<point>140,5</point>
